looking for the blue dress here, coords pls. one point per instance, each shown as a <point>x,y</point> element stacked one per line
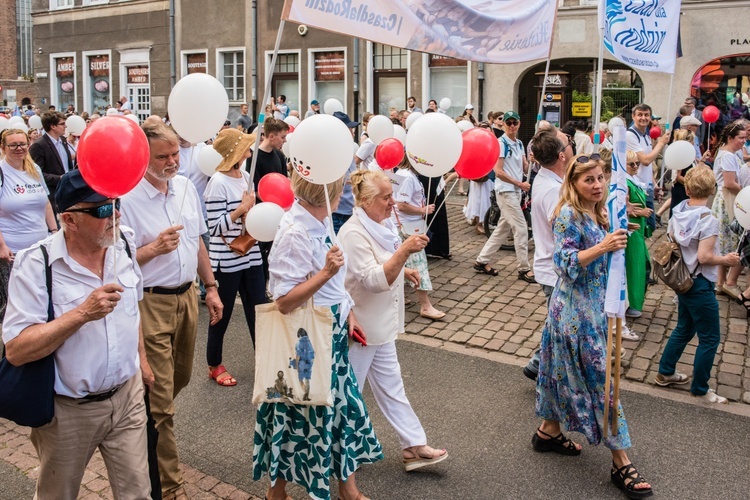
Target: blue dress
<point>573,357</point>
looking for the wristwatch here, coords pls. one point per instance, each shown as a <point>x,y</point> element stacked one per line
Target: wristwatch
<point>211,285</point>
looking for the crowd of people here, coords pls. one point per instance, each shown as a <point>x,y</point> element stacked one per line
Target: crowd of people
<point>125,302</point>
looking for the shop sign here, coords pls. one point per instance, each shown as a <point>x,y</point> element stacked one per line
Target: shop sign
<point>581,109</point>
<point>196,63</point>
<point>437,61</point>
<point>99,65</point>
<point>137,74</point>
<point>329,66</point>
<point>739,41</point>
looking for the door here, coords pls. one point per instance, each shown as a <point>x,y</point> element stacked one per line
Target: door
<point>140,99</point>
<point>390,92</point>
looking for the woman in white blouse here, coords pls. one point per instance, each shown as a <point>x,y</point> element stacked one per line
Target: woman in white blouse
<point>304,263</point>
<point>375,280</point>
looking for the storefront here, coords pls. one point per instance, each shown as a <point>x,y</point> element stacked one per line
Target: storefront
<point>135,80</point>
<point>97,81</point>
<point>63,88</point>
<point>446,77</point>
<point>725,83</point>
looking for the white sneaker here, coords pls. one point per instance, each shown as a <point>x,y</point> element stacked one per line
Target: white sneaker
<point>712,397</point>
<point>628,335</point>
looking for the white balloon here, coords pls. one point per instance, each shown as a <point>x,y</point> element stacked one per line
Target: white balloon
<point>356,147</point>
<point>445,104</point>
<point>679,155</point>
<point>198,106</point>
<point>134,118</point>
<point>433,145</point>
<point>4,123</point>
<point>112,112</point>
<point>75,125</point>
<point>465,125</point>
<point>207,160</point>
<point>742,208</point>
<point>616,122</point>
<point>320,151</point>
<point>285,147</point>
<point>15,121</point>
<point>745,98</point>
<point>23,127</point>
<point>332,105</point>
<point>412,118</point>
<point>35,122</point>
<point>263,219</point>
<point>292,120</point>
<point>379,128</point>
<point>400,134</point>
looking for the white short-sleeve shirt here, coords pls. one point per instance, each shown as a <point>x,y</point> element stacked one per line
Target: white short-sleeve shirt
<point>546,194</point>
<point>411,192</point>
<point>513,153</point>
<point>23,208</point>
<point>725,162</point>
<point>641,143</point>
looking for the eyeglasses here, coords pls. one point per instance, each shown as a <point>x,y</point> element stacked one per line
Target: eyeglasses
<point>17,146</point>
<point>586,159</point>
<point>100,212</point>
<point>511,123</point>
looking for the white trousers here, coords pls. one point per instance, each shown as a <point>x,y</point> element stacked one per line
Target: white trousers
<point>379,365</point>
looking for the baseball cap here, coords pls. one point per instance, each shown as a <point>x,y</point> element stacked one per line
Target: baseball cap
<point>469,106</point>
<point>314,102</point>
<point>345,118</point>
<point>655,117</point>
<point>73,189</point>
<point>511,115</point>
<point>689,120</point>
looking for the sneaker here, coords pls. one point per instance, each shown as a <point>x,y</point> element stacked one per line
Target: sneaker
<point>712,397</point>
<point>628,335</point>
<point>675,378</point>
<point>632,313</point>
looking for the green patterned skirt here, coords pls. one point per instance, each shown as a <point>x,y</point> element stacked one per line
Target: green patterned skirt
<point>306,445</point>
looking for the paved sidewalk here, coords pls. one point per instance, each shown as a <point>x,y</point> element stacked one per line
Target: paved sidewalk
<point>507,315</point>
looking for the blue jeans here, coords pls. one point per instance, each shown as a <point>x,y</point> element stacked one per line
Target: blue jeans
<point>697,312</point>
<point>651,221</point>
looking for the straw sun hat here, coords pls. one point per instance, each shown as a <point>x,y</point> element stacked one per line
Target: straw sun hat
<point>231,144</point>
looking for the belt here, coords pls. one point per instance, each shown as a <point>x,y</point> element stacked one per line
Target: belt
<point>102,396</point>
<point>159,290</point>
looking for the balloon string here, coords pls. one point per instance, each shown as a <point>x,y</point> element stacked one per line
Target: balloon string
<point>427,203</point>
<point>114,237</point>
<point>187,174</point>
<point>330,216</point>
<point>441,204</point>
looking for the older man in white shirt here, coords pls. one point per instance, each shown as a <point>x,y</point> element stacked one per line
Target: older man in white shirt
<point>165,211</point>
<point>95,337</point>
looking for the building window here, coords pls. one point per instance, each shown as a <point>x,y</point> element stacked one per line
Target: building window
<point>63,83</point>
<point>388,58</point>
<point>390,77</point>
<point>97,82</point>
<point>329,76</point>
<point>94,2</point>
<point>448,78</point>
<point>231,72</point>
<point>60,4</point>
<point>724,83</point>
<point>25,48</point>
<point>194,62</point>
<point>285,79</point>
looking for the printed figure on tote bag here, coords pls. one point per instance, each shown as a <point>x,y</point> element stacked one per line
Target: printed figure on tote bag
<point>304,361</point>
<point>280,389</point>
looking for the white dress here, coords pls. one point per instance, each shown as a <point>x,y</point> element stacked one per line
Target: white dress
<point>479,199</point>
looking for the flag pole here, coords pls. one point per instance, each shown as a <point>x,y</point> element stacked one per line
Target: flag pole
<point>546,74</point>
<point>266,92</point>
<point>608,376</point>
<point>598,91</point>
<point>667,125</point>
<point>616,376</point>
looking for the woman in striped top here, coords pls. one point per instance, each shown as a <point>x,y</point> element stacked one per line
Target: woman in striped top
<point>229,196</point>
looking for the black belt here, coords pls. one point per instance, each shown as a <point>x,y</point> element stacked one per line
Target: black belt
<point>160,290</point>
<point>102,396</point>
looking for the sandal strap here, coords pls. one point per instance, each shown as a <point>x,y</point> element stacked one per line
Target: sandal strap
<point>629,472</point>
<point>560,438</point>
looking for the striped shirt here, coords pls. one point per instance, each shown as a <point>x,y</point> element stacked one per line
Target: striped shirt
<point>223,195</point>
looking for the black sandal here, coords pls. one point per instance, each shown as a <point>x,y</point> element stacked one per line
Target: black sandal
<point>524,276</point>
<point>626,478</point>
<point>485,268</point>
<point>744,301</point>
<point>559,444</point>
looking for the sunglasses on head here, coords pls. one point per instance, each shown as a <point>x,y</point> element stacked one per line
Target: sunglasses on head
<point>586,159</point>
<point>99,212</point>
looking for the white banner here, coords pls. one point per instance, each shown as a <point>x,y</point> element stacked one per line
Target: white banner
<point>614,301</point>
<point>507,31</point>
<point>642,33</point>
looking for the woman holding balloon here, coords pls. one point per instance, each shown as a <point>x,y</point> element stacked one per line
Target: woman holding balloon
<point>726,170</point>
<point>229,196</point>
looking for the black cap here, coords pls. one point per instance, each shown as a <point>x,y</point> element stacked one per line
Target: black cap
<point>73,190</point>
<point>345,118</point>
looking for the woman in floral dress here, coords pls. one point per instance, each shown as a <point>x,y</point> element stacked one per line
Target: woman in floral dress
<point>570,386</point>
<point>307,445</point>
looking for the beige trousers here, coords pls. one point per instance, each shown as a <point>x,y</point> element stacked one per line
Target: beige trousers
<point>116,426</point>
<point>169,324</point>
<point>511,219</point>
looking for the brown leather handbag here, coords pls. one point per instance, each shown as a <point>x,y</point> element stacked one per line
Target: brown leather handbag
<point>242,244</point>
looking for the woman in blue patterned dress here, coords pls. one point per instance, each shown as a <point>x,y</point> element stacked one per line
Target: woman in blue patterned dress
<point>307,445</point>
<point>570,386</point>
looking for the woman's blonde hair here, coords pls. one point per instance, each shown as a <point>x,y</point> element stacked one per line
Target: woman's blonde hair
<point>365,185</point>
<point>631,157</point>
<point>570,196</point>
<point>700,182</point>
<point>314,194</point>
<point>28,164</point>
<point>684,135</point>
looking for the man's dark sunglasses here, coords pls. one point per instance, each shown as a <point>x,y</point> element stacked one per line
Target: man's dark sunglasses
<point>511,123</point>
<point>100,212</point>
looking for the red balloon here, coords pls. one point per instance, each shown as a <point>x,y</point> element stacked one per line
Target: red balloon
<point>479,154</point>
<point>276,188</point>
<point>113,155</point>
<point>655,132</point>
<point>710,114</point>
<point>291,129</point>
<point>389,153</point>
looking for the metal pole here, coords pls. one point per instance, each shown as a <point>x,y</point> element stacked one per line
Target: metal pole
<point>480,90</point>
<point>172,58</point>
<point>254,60</point>
<point>598,100</point>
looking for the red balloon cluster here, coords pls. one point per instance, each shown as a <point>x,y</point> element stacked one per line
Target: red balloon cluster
<point>113,155</point>
<point>710,114</point>
<point>276,188</point>
<point>655,132</point>
<point>389,153</point>
<point>479,154</point>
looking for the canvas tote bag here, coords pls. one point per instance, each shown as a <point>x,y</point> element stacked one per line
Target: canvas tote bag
<point>293,355</point>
